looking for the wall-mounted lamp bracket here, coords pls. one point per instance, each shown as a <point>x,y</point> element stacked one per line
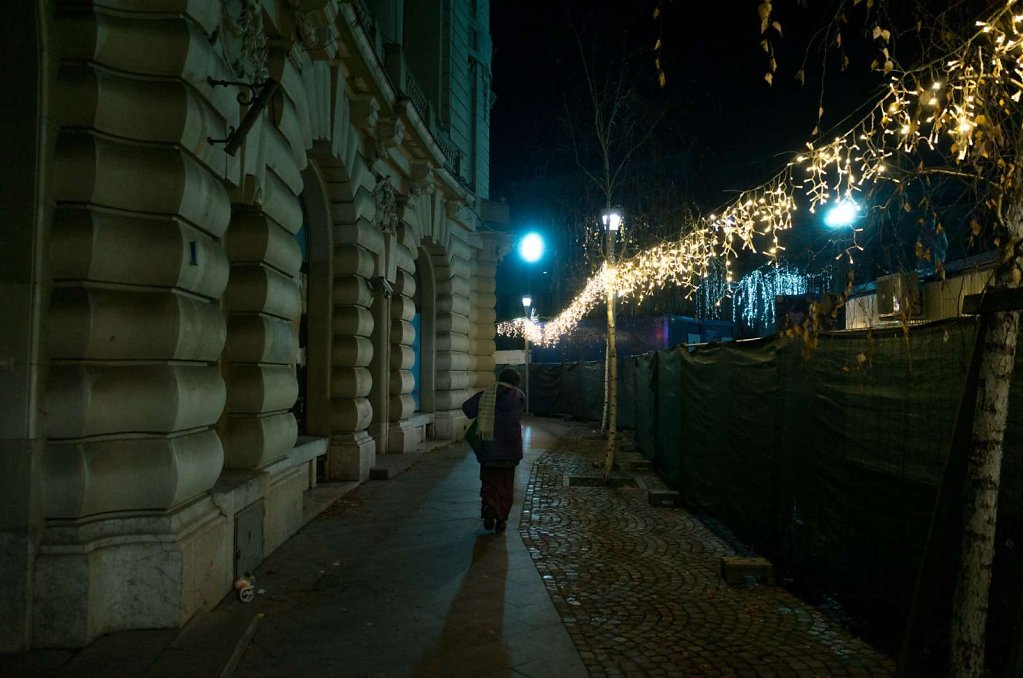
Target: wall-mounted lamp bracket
<point>244,97</point>
<point>256,101</point>
<point>383,285</point>
<point>230,133</point>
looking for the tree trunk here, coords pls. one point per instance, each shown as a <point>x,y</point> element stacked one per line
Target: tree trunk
<point>607,394</point>
<point>980,510</point>
<point>612,384</point>
<point>984,470</point>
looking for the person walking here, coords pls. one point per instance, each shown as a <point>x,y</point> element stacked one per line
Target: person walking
<point>497,444</point>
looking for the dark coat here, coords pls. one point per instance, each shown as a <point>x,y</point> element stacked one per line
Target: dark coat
<point>507,443</point>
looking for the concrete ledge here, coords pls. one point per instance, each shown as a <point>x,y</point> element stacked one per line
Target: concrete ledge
<point>306,449</point>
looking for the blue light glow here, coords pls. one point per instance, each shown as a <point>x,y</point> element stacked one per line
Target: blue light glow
<point>753,299</point>
<point>531,248</point>
<point>842,213</point>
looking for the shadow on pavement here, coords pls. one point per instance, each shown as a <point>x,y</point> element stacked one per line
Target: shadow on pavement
<point>472,642</point>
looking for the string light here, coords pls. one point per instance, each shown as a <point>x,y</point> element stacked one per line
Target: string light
<point>753,299</point>
<point>918,112</point>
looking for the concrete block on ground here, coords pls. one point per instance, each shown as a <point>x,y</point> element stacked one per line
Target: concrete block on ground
<point>739,570</point>
<point>664,498</point>
<point>639,465</point>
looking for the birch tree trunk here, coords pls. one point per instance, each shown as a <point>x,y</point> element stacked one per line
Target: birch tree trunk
<point>983,475</point>
<point>607,393</point>
<point>612,384</point>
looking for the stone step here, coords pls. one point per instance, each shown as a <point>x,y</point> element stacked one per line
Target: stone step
<point>742,569</point>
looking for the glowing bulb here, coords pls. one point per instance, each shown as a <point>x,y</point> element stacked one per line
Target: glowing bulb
<point>842,213</point>
<point>531,248</point>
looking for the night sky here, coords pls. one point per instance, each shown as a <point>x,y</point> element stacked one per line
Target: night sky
<point>720,122</point>
<point>736,129</point>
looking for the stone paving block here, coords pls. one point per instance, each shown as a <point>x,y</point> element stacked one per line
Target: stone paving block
<point>640,591</point>
<point>739,569</point>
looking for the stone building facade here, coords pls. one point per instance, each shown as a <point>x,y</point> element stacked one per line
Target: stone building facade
<point>242,235</point>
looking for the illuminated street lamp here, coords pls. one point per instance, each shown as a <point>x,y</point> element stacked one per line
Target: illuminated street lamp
<point>612,218</point>
<point>531,248</point>
<point>527,303</point>
<point>841,214</point>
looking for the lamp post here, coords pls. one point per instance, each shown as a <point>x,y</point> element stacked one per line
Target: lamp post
<point>527,303</point>
<point>612,219</point>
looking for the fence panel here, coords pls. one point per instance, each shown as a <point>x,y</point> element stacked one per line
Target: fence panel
<point>646,404</point>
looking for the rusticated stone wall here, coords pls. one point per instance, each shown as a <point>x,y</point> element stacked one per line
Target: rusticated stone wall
<point>138,264</point>
<point>176,289</point>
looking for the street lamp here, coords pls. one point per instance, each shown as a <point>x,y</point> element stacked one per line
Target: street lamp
<point>842,213</point>
<point>531,248</point>
<point>612,220</point>
<point>527,303</point>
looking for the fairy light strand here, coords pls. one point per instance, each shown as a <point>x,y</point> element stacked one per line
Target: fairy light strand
<point>938,107</point>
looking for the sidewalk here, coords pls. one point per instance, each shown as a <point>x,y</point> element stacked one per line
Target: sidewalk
<point>397,578</point>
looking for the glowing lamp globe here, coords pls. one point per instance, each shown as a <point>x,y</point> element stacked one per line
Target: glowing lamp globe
<point>842,213</point>
<point>531,248</point>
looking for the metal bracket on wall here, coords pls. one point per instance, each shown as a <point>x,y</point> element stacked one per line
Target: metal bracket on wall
<point>382,284</point>
<point>256,99</point>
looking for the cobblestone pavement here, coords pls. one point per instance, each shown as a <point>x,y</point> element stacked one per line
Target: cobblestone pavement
<point>638,587</point>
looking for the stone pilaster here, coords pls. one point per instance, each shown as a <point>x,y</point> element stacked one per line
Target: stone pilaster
<point>139,269</point>
<point>452,342</point>
<point>404,436</point>
<point>263,302</point>
<point>482,330</point>
<point>352,451</point>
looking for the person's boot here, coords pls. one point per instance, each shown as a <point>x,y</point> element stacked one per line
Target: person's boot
<point>501,525</point>
<point>489,518</point>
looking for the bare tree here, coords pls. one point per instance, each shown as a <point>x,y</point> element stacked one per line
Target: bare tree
<point>610,123</point>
